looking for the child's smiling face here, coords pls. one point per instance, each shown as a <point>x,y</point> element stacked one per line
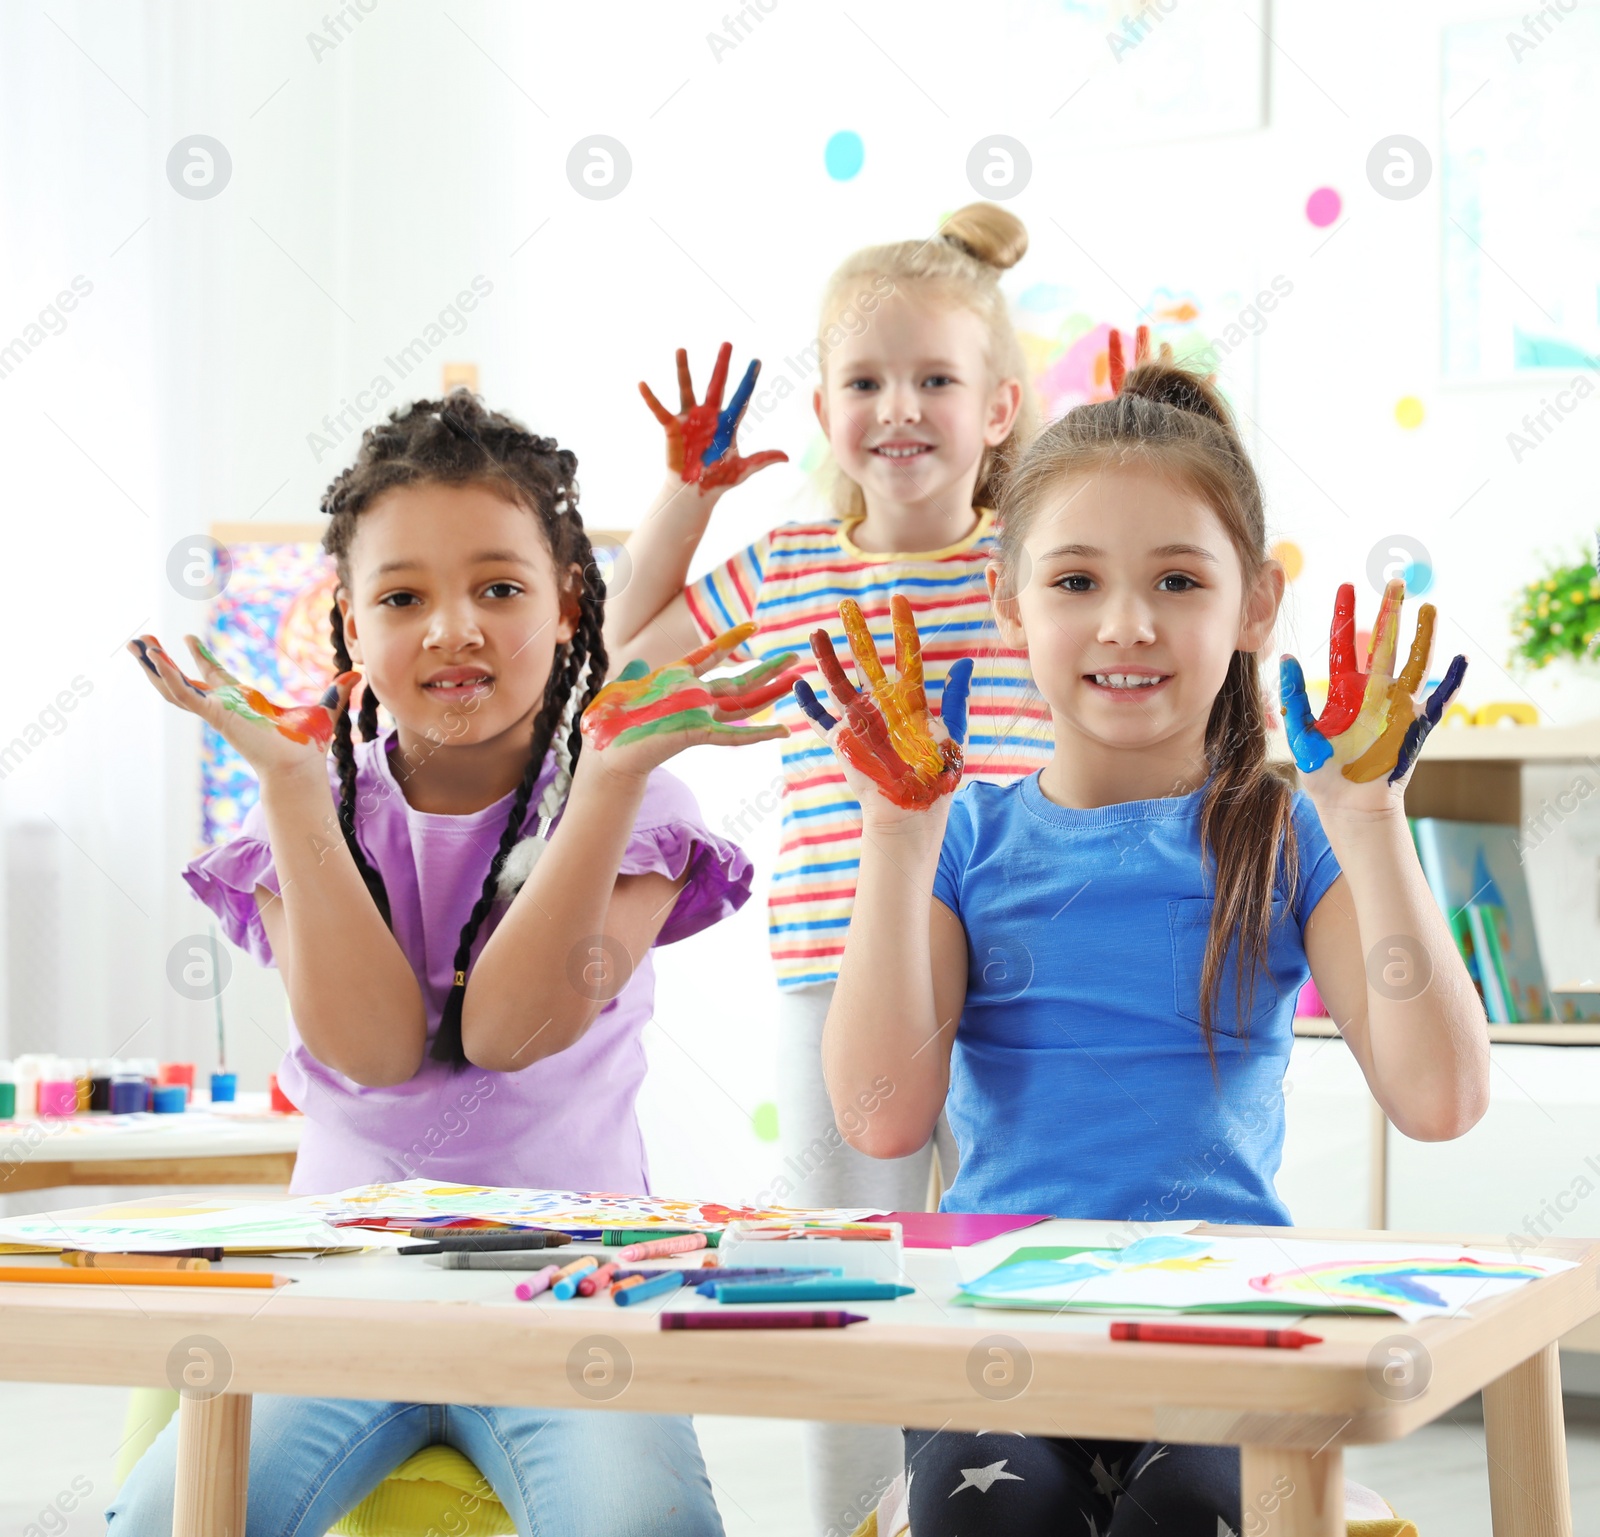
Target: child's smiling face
<point>1131,603</point>
<point>453,611</point>
<point>909,404</point>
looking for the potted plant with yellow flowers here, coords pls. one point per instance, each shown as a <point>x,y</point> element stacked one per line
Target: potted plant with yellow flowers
<point>1558,616</point>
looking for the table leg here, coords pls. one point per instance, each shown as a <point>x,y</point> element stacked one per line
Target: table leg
<point>1378,1175</point>
<point>213,1465</point>
<point>1527,1443</point>
<point>1284,1493</point>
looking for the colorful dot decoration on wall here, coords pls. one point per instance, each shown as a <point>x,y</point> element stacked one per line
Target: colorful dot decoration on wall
<point>1408,411</point>
<point>1289,555</point>
<point>844,155</point>
<point>764,1121</point>
<point>1323,207</point>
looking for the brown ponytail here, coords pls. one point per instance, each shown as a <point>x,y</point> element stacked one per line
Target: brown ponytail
<point>1171,419</point>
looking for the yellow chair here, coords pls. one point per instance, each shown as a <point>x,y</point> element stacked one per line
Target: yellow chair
<point>438,1490</point>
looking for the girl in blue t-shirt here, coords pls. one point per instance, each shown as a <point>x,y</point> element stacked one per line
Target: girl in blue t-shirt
<point>1060,957</point>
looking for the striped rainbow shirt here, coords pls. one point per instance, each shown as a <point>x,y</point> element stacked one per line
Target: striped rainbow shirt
<point>790,582</point>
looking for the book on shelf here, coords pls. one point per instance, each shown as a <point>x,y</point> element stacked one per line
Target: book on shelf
<point>1476,874</point>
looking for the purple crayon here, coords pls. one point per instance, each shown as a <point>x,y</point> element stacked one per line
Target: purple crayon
<point>806,1318</point>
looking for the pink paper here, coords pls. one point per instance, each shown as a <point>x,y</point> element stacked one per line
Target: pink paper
<point>953,1229</point>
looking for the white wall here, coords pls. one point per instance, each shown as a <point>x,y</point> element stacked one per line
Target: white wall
<point>371,183</point>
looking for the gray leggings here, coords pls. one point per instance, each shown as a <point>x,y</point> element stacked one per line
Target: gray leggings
<point>848,1467</point>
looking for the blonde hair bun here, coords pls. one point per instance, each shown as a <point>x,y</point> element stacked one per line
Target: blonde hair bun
<point>987,233</point>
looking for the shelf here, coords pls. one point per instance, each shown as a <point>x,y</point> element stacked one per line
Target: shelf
<point>1548,1033</point>
<point>1474,773</point>
<point>1493,744</point>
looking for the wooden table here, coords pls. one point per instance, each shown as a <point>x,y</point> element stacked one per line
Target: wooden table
<point>919,1361</point>
<point>247,1146</point>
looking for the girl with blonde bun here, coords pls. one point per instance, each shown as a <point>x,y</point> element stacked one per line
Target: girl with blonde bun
<point>924,397</point>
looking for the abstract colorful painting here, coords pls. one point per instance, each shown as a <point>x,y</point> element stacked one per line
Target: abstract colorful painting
<point>268,626</point>
<point>1183,1273</point>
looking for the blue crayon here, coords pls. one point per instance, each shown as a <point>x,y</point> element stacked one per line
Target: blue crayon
<point>714,1278</point>
<point>669,1281</point>
<point>837,1289</point>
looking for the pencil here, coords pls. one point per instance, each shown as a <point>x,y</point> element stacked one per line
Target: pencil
<point>82,1258</point>
<point>89,1276</point>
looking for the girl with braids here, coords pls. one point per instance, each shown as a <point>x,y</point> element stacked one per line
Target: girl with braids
<point>462,908</point>
<point>1059,957</point>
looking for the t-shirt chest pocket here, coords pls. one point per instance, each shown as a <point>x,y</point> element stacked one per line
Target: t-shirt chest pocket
<point>1189,921</point>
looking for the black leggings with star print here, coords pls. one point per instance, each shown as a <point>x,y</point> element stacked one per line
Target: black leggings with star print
<point>972,1485</point>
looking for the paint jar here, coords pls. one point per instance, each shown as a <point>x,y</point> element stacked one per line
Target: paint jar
<point>280,1101</point>
<point>30,1068</point>
<point>128,1091</point>
<point>101,1070</point>
<point>58,1097</point>
<point>178,1072</point>
<point>150,1070</point>
<point>8,1092</point>
<point>170,1099</point>
<point>224,1088</point>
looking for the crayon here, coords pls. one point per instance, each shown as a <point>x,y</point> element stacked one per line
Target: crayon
<point>624,1284</point>
<point>707,1285</point>
<point>486,1243</point>
<point>528,1290</point>
<point>210,1252</point>
<point>99,1261</point>
<point>588,1285</point>
<point>642,1291</point>
<point>1210,1334</point>
<point>659,1248</point>
<point>630,1235</point>
<point>565,1285</point>
<point>835,1289</point>
<point>810,1318</point>
<point>466,1259</point>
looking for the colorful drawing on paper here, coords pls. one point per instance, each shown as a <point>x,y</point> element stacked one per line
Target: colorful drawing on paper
<point>1520,194</point>
<point>270,626</point>
<point>1066,340</point>
<point>1389,1283</point>
<point>1173,1273</point>
<point>422,1201</point>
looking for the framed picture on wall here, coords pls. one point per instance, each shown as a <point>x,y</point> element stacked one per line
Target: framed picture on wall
<point>271,625</point>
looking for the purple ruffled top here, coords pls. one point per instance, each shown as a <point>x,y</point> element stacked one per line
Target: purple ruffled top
<point>566,1122</point>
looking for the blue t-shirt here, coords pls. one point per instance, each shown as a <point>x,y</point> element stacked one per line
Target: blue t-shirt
<point>1079,1082</point>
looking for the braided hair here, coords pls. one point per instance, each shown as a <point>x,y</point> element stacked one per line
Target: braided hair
<point>460,441</point>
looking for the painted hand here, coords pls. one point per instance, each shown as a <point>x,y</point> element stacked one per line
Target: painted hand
<point>887,734</point>
<point>639,704</point>
<point>700,438</point>
<point>1371,725</point>
<point>310,724</point>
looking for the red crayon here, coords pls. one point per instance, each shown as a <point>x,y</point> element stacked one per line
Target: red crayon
<point>592,1282</point>
<point>807,1318</point>
<point>1208,1334</point>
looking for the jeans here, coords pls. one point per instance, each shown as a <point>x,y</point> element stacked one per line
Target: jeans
<point>560,1473</point>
